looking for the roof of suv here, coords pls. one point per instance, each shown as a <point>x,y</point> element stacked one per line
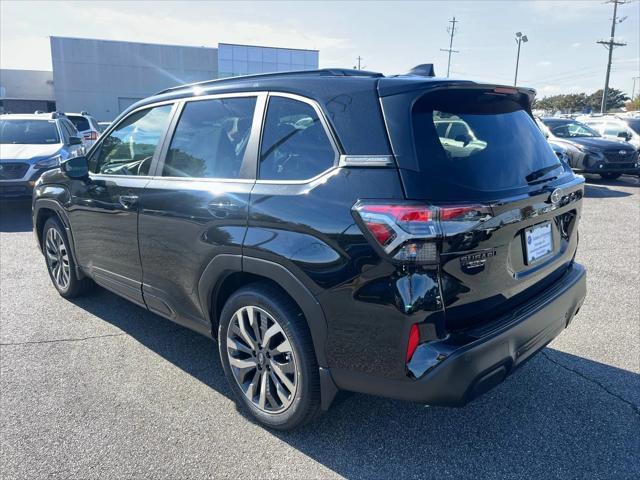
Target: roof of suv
<point>342,93</point>
<point>308,81</point>
<point>31,116</point>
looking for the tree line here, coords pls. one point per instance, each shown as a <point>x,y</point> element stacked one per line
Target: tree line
<point>581,102</point>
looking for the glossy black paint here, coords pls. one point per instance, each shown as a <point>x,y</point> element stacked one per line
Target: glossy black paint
<point>184,225</point>
<point>171,244</point>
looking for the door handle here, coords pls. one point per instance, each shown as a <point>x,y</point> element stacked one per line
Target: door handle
<point>128,201</point>
<point>223,208</point>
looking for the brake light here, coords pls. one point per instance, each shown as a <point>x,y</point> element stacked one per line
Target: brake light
<point>414,339</point>
<point>382,233</point>
<point>409,232</point>
<point>506,90</point>
<point>91,135</point>
<point>454,213</point>
<point>403,213</point>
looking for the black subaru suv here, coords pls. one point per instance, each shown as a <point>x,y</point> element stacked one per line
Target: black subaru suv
<point>409,236</point>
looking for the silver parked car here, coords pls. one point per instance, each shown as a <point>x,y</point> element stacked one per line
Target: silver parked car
<point>31,144</point>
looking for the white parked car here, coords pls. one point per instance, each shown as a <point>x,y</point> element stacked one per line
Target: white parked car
<point>87,126</point>
<point>613,127</point>
<point>31,144</point>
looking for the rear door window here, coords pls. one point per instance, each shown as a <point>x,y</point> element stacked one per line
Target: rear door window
<point>492,144</point>
<point>295,145</point>
<point>211,138</point>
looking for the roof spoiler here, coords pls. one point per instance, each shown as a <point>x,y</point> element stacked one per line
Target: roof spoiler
<point>423,70</point>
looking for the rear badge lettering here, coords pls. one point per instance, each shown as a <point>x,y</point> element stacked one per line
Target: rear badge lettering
<point>476,260</point>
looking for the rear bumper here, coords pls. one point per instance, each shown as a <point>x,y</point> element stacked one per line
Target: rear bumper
<point>462,367</point>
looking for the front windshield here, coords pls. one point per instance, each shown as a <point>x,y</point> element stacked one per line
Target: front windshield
<point>571,129</point>
<point>29,132</point>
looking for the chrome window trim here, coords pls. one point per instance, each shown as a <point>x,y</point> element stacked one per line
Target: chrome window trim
<point>255,135</point>
<point>179,104</point>
<point>327,129</point>
<point>379,161</point>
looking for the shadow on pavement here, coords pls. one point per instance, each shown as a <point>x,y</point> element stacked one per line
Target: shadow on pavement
<point>559,416</point>
<point>596,191</point>
<point>15,215</point>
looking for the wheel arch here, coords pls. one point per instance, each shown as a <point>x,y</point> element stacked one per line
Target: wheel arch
<point>226,273</point>
<point>45,208</point>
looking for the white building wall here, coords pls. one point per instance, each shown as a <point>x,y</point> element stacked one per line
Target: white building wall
<point>104,77</point>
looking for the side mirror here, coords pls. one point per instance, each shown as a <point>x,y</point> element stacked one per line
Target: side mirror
<point>76,167</point>
<point>75,141</point>
<point>624,135</point>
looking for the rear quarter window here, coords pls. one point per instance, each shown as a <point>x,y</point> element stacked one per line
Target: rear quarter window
<point>295,145</point>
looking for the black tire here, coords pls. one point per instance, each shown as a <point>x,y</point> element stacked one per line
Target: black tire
<point>610,176</point>
<point>74,286</point>
<point>305,402</point>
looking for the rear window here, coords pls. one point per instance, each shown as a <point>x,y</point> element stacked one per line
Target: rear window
<point>29,132</point>
<point>79,122</point>
<point>470,141</point>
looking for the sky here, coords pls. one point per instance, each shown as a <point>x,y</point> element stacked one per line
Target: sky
<point>561,55</point>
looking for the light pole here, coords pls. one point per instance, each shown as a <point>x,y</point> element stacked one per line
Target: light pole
<point>520,38</point>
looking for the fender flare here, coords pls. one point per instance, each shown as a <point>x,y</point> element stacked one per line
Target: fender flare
<point>225,264</point>
<point>61,213</point>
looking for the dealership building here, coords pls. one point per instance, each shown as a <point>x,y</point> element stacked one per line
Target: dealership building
<point>104,77</point>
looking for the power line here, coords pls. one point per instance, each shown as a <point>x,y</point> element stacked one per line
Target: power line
<point>610,45</point>
<point>359,66</point>
<point>452,31</point>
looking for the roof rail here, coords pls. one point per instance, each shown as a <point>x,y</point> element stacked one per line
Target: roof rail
<point>327,72</point>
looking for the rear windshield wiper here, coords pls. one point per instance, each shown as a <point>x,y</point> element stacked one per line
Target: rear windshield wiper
<point>535,176</point>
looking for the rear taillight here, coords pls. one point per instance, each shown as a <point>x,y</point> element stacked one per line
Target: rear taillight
<point>91,136</point>
<point>414,339</point>
<point>408,232</point>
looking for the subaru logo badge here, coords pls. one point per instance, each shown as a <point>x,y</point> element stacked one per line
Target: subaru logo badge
<point>556,196</point>
<point>622,152</point>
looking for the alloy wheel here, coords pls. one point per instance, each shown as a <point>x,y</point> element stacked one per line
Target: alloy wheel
<point>57,258</point>
<point>261,359</point>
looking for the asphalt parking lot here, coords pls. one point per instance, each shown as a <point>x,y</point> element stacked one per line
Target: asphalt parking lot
<point>100,388</point>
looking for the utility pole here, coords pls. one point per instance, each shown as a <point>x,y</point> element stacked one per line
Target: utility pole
<point>520,39</point>
<point>610,45</point>
<point>452,31</point>
<point>359,67</point>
